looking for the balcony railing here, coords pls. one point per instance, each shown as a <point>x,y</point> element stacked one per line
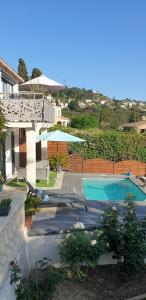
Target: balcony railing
<point>21,95</point>
<point>26,107</point>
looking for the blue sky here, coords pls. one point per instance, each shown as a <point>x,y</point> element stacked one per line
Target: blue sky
<point>98,44</point>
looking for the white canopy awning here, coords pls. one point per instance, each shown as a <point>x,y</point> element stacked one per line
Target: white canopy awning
<point>44,82</point>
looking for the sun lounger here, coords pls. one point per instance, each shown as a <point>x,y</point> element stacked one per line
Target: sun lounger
<point>143,179</point>
<point>53,198</point>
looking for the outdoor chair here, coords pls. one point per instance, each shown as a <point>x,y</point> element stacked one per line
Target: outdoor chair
<point>53,198</point>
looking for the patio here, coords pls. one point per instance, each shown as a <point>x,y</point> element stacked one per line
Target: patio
<point>53,219</point>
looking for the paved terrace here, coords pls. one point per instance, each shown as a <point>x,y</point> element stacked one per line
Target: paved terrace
<point>52,219</point>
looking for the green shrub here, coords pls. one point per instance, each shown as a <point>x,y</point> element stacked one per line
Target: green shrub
<point>83,122</point>
<point>112,145</point>
<point>41,286</point>
<point>31,203</point>
<point>126,240</point>
<point>47,279</point>
<point>1,178</point>
<point>5,203</point>
<point>112,231</point>
<point>24,288</point>
<point>134,246</point>
<point>78,250</point>
<point>58,160</point>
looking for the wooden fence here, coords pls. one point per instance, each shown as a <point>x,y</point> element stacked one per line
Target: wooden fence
<point>76,164</point>
<point>79,165</point>
<point>54,148</point>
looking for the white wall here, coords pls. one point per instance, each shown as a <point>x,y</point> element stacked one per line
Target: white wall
<point>31,156</point>
<point>12,242</point>
<point>8,154</point>
<point>43,246</point>
<point>47,246</point>
<point>7,291</point>
<point>15,88</point>
<point>16,148</point>
<point>44,147</point>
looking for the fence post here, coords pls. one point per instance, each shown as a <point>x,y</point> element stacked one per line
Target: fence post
<point>113,167</point>
<point>82,164</point>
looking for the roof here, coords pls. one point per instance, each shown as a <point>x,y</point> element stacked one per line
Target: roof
<point>10,71</point>
<point>135,124</point>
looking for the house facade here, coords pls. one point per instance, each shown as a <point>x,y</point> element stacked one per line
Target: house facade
<point>26,114</point>
<point>138,126</point>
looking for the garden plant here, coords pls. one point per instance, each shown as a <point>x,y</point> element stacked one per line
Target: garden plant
<point>78,249</point>
<point>80,252</point>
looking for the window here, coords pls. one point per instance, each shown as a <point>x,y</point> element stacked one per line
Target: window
<point>7,88</point>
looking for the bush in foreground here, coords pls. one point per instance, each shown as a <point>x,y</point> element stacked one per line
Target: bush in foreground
<point>126,239</point>
<point>78,249</point>
<point>41,286</point>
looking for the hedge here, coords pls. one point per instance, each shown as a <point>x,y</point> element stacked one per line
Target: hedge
<point>115,146</point>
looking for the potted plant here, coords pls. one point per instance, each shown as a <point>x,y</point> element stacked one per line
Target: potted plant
<point>30,208</point>
<point>5,206</point>
<point>58,162</point>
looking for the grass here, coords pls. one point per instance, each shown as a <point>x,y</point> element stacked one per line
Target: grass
<point>43,183</point>
<point>39,182</point>
<point>15,183</point>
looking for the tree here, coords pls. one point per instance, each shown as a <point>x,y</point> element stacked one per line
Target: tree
<point>84,121</point>
<point>36,73</point>
<point>22,69</point>
<point>73,105</point>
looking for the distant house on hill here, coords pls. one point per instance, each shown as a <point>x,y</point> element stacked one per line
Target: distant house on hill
<point>138,126</point>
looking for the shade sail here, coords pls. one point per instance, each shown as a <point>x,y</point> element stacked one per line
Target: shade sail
<point>59,136</point>
<point>44,82</point>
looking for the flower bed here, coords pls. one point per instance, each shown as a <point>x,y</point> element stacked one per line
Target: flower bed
<point>80,251</point>
<point>104,282</point>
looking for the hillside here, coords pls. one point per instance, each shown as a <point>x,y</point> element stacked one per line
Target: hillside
<point>109,113</point>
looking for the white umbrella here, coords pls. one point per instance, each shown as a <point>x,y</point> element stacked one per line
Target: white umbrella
<point>58,136</point>
<point>43,81</point>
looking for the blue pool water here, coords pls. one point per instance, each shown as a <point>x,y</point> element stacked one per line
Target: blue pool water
<point>104,189</point>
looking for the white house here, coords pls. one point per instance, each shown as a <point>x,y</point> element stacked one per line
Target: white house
<point>26,114</point>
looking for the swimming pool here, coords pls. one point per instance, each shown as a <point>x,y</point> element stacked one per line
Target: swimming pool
<point>111,189</point>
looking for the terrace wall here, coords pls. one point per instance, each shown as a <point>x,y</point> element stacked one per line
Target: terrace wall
<point>12,242</point>
<point>48,246</point>
<point>77,164</point>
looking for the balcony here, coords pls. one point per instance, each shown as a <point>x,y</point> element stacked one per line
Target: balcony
<point>26,107</point>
